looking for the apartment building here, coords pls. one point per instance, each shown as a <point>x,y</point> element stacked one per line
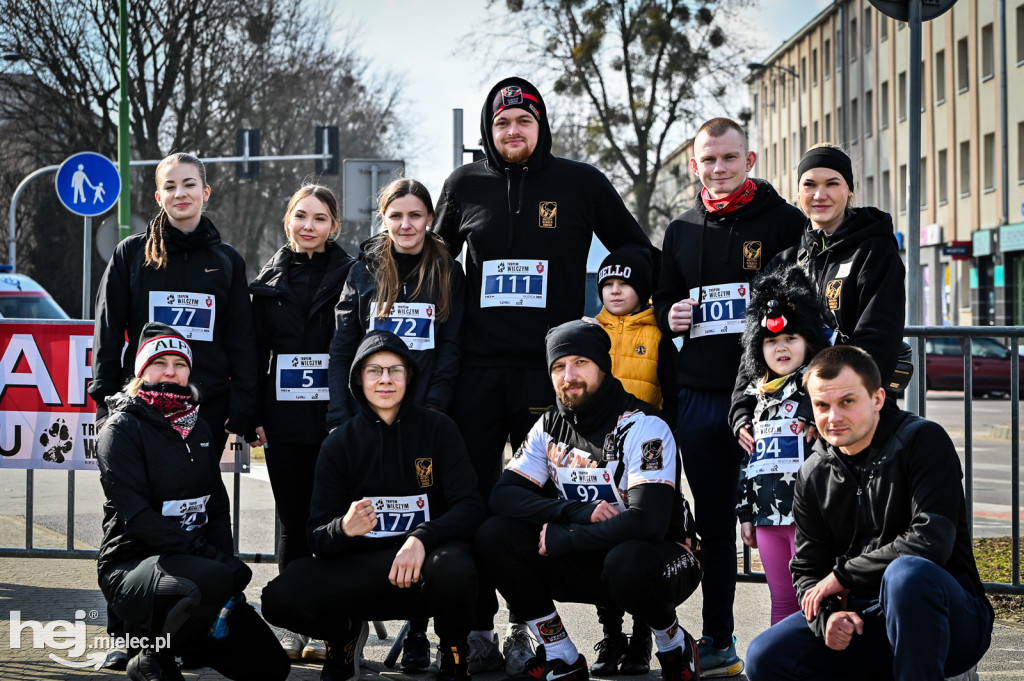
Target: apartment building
<point>843,78</point>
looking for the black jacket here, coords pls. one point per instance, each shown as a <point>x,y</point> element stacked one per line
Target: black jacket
<point>600,434</point>
<point>546,209</point>
<point>860,280</point>
<point>437,368</point>
<point>288,322</point>
<point>421,452</point>
<point>909,501</point>
<point>198,262</point>
<point>703,249</point>
<point>143,463</point>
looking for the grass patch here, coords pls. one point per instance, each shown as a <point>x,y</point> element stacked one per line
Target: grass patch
<point>995,564</point>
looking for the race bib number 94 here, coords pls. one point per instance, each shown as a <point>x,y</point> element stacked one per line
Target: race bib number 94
<point>720,309</point>
<point>397,516</point>
<point>518,283</point>
<point>779,447</point>
<point>190,314</point>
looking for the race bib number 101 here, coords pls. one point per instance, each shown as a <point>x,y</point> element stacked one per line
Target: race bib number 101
<point>518,283</point>
<point>190,314</point>
<point>721,309</point>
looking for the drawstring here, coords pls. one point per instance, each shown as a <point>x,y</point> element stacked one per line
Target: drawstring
<point>700,260</point>
<point>508,199</point>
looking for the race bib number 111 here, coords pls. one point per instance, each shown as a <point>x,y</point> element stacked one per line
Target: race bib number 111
<point>517,283</point>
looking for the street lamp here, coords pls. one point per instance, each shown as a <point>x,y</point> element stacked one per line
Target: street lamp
<point>757,67</point>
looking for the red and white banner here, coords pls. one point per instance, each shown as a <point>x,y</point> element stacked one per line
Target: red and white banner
<point>47,419</point>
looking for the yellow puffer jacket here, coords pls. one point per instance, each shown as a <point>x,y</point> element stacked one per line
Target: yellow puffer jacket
<point>635,340</point>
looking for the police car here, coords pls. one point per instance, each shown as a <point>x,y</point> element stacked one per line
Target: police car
<point>22,298</point>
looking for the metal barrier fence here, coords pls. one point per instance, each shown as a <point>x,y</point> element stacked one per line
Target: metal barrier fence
<point>918,335</point>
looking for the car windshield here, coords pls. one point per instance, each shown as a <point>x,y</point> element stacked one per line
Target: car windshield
<point>35,307</point>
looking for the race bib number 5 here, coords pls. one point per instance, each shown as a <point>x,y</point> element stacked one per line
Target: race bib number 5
<point>302,377</point>
<point>518,283</point>
<point>720,309</point>
<point>398,516</point>
<point>190,314</point>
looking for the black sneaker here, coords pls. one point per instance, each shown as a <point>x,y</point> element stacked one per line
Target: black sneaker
<point>539,668</point>
<point>611,650</point>
<point>638,655</point>
<point>148,665</point>
<point>416,652</point>
<point>680,664</point>
<point>453,662</point>
<point>344,653</point>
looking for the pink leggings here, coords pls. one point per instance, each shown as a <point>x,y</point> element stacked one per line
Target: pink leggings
<point>776,545</point>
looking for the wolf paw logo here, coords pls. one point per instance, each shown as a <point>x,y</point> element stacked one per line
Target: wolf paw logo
<point>295,361</point>
<point>57,440</point>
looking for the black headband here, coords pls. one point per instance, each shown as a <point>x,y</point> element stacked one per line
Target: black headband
<point>827,157</point>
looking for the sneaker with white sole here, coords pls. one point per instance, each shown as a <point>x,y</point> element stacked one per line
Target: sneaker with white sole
<point>315,650</point>
<point>484,655</point>
<point>539,667</point>
<point>518,648</point>
<point>717,662</point>
<point>293,645</point>
<point>680,664</point>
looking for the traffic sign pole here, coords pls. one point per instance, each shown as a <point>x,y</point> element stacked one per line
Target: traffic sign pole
<point>86,267</point>
<point>124,204</point>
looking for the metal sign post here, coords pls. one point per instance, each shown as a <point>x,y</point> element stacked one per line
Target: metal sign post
<point>361,180</point>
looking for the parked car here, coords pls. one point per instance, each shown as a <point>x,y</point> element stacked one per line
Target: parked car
<point>22,298</point>
<point>990,364</point>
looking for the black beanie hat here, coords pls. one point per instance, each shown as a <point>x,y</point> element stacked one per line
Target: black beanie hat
<point>579,338</point>
<point>520,95</point>
<point>782,300</point>
<point>159,339</point>
<point>827,157</point>
<point>633,265</point>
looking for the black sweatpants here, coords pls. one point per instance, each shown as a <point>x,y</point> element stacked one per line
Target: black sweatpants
<point>318,597</point>
<point>646,579</point>
<point>291,467</point>
<point>249,651</point>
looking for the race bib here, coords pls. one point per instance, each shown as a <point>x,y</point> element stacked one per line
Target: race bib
<point>412,322</point>
<point>302,377</point>
<point>589,484</point>
<point>779,447</point>
<point>190,314</point>
<point>398,516</point>
<point>520,283</point>
<point>191,513</point>
<point>722,309</point>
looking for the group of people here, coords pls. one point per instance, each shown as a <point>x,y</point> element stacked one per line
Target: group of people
<point>750,354</point>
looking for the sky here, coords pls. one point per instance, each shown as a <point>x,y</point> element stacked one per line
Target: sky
<point>423,42</point>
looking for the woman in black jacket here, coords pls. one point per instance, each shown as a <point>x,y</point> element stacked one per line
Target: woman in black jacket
<point>293,300</point>
<point>405,282</point>
<point>395,504</point>
<point>166,564</point>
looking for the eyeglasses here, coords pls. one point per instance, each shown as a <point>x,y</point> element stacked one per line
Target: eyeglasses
<point>396,372</point>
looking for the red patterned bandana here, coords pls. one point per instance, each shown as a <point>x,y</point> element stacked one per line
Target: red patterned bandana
<point>735,201</point>
<point>174,402</point>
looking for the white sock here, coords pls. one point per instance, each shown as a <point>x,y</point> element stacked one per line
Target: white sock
<point>550,633</point>
<point>489,635</point>
<point>668,639</point>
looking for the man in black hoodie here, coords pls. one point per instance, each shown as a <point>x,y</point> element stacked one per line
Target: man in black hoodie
<point>710,255</point>
<point>884,566</point>
<point>589,510</point>
<point>394,507</point>
<point>527,219</point>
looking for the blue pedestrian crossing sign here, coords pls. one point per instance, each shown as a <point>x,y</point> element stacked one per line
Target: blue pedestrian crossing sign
<point>88,184</point>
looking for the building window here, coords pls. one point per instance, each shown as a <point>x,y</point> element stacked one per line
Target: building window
<point>803,74</point>
<point>924,82</point>
<point>795,153</point>
<point>867,30</point>
<point>869,113</point>
<point>782,163</point>
<point>792,86</point>
<point>987,52</point>
<point>901,94</point>
<point>814,67</point>
<point>942,179</point>
<point>1020,35</point>
<point>886,200</point>
<point>924,183</point>
<point>826,54</point>
<point>782,90</point>
<point>854,37</point>
<point>840,128</point>
<point>883,29</point>
<point>827,132</point>
<point>775,158</point>
<point>940,77</point>
<point>883,107</point>
<point>854,123</point>
<point>814,139</point>
<point>903,189</point>
<point>963,73</point>
<point>869,189</point>
<point>989,158</point>
<point>1020,152</point>
<point>839,42</point>
<point>965,168</point>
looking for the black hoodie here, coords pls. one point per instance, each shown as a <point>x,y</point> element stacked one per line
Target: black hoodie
<point>860,280</point>
<point>704,249</point>
<point>198,262</point>
<point>544,210</point>
<point>419,453</point>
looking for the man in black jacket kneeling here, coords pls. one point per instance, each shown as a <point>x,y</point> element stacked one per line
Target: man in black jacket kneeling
<point>884,568</point>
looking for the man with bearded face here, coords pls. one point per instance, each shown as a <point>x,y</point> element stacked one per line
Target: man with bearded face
<point>589,511</point>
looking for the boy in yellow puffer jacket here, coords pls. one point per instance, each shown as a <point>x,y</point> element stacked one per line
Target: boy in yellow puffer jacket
<point>645,362</point>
